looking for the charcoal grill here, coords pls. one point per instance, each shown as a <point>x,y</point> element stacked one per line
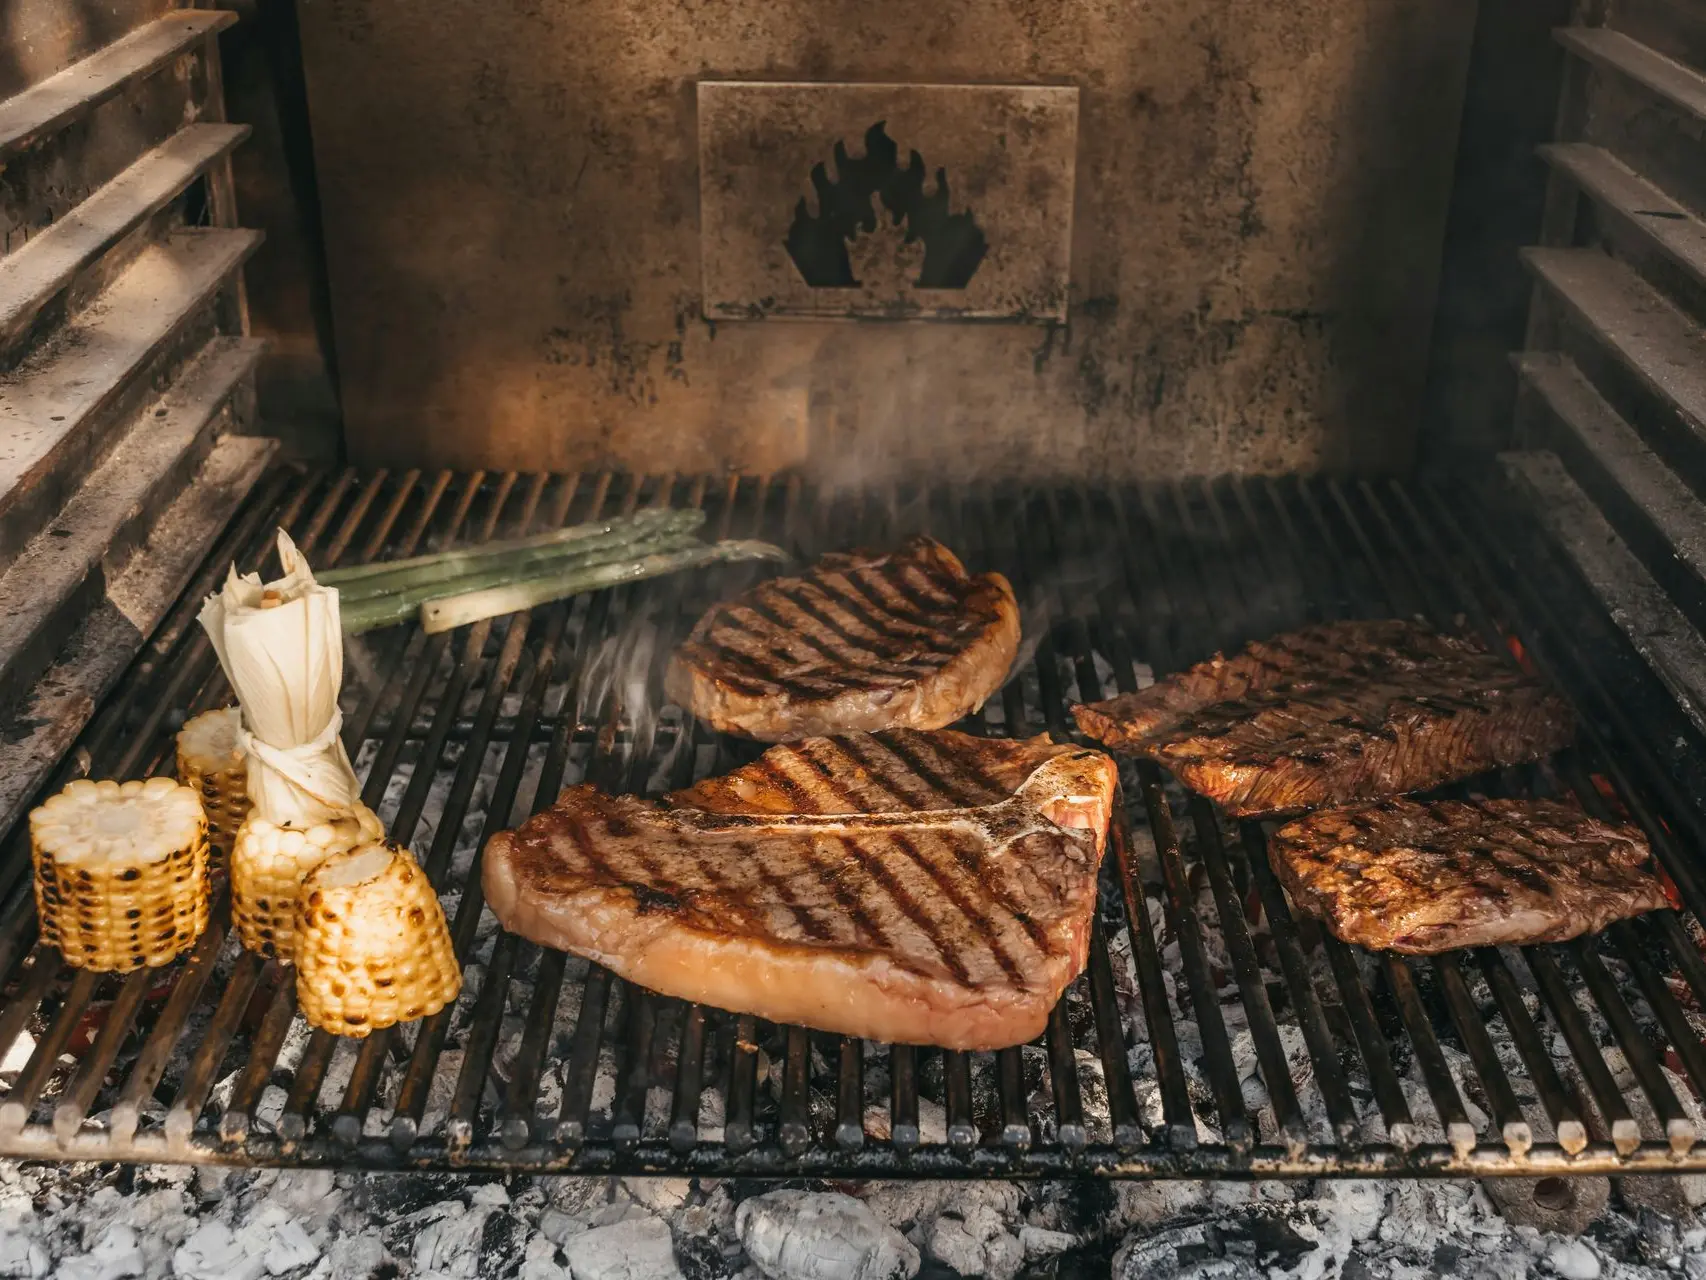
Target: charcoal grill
<point>1242,243</point>
<point>547,1065</point>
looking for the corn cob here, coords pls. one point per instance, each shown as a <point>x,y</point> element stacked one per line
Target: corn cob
<point>268,864</point>
<point>211,766</point>
<point>120,872</point>
<point>372,945</point>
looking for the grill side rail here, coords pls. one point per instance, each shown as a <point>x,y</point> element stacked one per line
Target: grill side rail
<point>1611,409</point>
<point>126,369</point>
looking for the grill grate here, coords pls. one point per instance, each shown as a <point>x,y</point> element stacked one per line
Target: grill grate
<point>1223,1036</point>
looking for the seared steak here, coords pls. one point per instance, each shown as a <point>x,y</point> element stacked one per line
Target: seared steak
<point>923,888</point>
<point>1402,875</point>
<point>861,642</point>
<point>1344,711</point>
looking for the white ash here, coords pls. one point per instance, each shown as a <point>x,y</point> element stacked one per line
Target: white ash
<point>17,1055</point>
<point>1573,1260</point>
<point>101,1223</point>
<point>632,1249</point>
<point>801,1235</point>
<point>973,1240</point>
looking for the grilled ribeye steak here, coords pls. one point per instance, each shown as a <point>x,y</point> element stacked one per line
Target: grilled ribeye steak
<point>860,642</point>
<point>1404,875</point>
<point>1343,711</point>
<point>918,888</point>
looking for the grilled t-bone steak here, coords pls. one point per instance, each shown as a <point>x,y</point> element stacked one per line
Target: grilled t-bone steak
<point>860,642</point>
<point>1405,875</point>
<point>1342,711</point>
<point>918,888</point>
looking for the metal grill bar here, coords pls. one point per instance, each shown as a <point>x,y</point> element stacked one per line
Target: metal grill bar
<point>1179,1124</point>
<point>1010,1071</point>
<point>850,1097</point>
<point>1507,1115</point>
<point>1123,1120</point>
<point>30,1082</point>
<point>1182,923</point>
<point>689,1083</point>
<point>794,1132</point>
<point>1679,1129</point>
<point>1323,1053</point>
<point>740,1131</point>
<point>1162,573</point>
<point>1436,1072</point>
<point>1571,1133</point>
<point>583,1060</point>
<point>1276,1074</point>
<point>1625,1133</point>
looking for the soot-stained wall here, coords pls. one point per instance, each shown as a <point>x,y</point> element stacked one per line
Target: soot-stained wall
<point>511,195</point>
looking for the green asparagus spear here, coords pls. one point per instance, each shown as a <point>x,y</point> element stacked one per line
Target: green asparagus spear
<point>384,578</point>
<point>370,612</point>
<point>448,612</point>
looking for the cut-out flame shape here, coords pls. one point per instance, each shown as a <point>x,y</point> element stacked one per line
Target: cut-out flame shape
<point>864,190</point>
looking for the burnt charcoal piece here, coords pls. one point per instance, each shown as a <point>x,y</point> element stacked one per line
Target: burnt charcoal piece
<point>954,245</point>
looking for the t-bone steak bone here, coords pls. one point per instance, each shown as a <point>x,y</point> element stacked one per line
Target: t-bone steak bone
<point>1422,877</point>
<point>1342,711</point>
<point>860,642</point>
<point>918,888</point>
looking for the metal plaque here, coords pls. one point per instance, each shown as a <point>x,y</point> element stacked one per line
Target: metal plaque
<point>872,201</point>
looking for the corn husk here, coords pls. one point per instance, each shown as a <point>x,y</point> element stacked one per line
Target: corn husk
<point>268,865</point>
<point>281,646</point>
<point>210,763</point>
<point>372,945</point>
<point>120,872</point>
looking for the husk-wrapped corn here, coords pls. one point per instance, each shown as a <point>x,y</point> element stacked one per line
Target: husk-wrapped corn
<point>120,872</point>
<point>211,764</point>
<point>372,945</point>
<point>280,645</point>
<point>268,865</point>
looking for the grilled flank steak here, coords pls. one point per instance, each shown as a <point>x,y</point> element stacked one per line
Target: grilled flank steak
<point>946,898</point>
<point>1343,711</point>
<point>860,642</point>
<point>1421,878</point>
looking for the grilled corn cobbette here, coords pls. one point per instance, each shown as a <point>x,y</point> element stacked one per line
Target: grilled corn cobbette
<point>372,946</point>
<point>268,865</point>
<point>210,764</point>
<point>120,872</point>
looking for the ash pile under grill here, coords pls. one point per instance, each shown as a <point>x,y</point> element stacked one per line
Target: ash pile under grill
<point>90,1223</point>
<point>1213,1033</point>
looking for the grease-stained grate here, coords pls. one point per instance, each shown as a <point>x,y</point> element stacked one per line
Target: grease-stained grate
<point>1222,1036</point>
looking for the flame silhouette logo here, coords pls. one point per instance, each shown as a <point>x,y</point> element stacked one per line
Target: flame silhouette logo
<point>871,186</point>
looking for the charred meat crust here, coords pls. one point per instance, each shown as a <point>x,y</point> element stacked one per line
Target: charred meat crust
<point>861,642</point>
<point>926,935</point>
<point>1342,711</point>
<point>1421,878</point>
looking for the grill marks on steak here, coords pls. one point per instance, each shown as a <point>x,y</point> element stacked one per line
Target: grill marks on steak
<point>1421,878</point>
<point>861,642</point>
<point>1342,711</point>
<point>905,886</point>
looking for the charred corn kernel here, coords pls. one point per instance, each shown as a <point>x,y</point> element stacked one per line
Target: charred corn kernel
<point>372,945</point>
<point>268,863</point>
<point>120,872</point>
<point>211,766</point>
